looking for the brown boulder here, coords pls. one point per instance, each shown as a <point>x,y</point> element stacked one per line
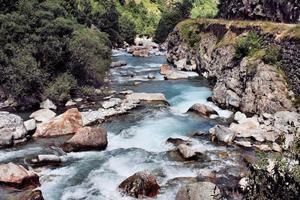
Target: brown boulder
<point>34,195</point>
<point>165,69</point>
<point>141,184</point>
<point>17,176</point>
<point>202,110</point>
<point>87,138</point>
<point>66,123</point>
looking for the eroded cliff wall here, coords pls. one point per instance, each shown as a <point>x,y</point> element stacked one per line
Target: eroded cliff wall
<point>248,84</point>
<point>287,11</point>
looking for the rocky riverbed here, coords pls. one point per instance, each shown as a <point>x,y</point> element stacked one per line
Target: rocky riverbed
<point>155,135</point>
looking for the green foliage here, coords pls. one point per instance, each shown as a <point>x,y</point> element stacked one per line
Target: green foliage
<point>247,46</point>
<point>204,8</point>
<point>282,182</point>
<point>170,18</point>
<point>61,88</point>
<point>48,47</point>
<point>272,55</point>
<point>86,47</point>
<point>143,14</point>
<point>127,29</point>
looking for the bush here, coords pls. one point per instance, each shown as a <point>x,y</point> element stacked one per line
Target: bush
<point>272,55</point>
<point>247,46</point>
<point>89,56</point>
<point>170,18</point>
<point>127,29</point>
<point>204,8</point>
<point>61,88</point>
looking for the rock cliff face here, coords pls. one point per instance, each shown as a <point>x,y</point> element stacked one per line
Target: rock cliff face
<point>287,11</point>
<point>247,84</point>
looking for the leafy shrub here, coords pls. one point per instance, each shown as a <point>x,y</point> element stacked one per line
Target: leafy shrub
<point>89,56</point>
<point>247,46</point>
<point>170,18</point>
<point>61,88</point>
<point>272,55</point>
<point>204,8</point>
<point>127,29</point>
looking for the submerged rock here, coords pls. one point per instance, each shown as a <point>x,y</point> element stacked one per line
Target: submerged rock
<point>66,123</point>
<point>177,141</point>
<point>202,110</point>
<point>222,134</point>
<point>43,115</point>
<point>141,184</point>
<point>12,129</point>
<point>118,64</point>
<point>199,191</point>
<point>17,176</point>
<point>87,138</point>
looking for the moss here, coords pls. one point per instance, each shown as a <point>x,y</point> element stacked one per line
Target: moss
<point>247,46</point>
<point>279,30</point>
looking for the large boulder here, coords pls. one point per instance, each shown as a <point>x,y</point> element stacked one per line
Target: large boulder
<point>198,191</point>
<point>141,184</point>
<point>222,134</point>
<point>66,123</point>
<point>87,138</point>
<point>202,110</point>
<point>150,97</point>
<point>17,176</point>
<point>43,115</point>
<point>12,129</point>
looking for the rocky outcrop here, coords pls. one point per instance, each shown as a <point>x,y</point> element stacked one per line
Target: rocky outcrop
<point>17,176</point>
<point>141,184</point>
<point>287,11</point>
<point>87,138</point>
<point>12,129</point>
<point>66,123</point>
<point>247,84</point>
<point>199,191</point>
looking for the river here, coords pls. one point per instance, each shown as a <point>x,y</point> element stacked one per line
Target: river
<point>137,141</point>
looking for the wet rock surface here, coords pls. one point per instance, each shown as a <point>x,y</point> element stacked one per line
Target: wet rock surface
<point>87,138</point>
<point>198,191</point>
<point>141,184</point>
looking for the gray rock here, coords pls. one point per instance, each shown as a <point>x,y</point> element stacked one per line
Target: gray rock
<point>222,134</point>
<point>70,103</point>
<point>12,129</point>
<point>48,104</point>
<point>202,110</point>
<point>30,125</point>
<point>187,152</point>
<point>199,191</point>
<point>175,75</point>
<point>43,115</point>
<point>111,103</point>
<point>151,97</point>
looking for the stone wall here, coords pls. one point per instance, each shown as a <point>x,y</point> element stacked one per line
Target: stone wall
<point>248,85</point>
<point>287,11</point>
